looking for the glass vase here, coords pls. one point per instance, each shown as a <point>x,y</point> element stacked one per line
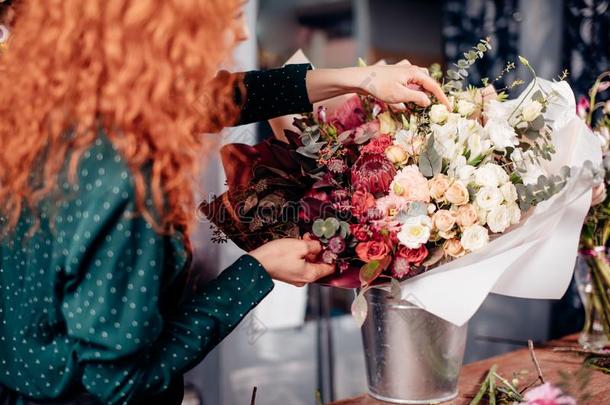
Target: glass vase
<point>591,274</point>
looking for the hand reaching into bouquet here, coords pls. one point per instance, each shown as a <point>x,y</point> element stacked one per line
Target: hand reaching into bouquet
<point>393,84</point>
<point>292,261</point>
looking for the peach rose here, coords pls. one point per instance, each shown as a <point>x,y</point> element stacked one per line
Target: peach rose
<point>467,215</point>
<point>373,250</point>
<point>438,186</point>
<point>443,220</point>
<point>457,193</point>
<point>453,248</point>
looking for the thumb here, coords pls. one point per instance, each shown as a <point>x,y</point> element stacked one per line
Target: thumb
<point>313,248</point>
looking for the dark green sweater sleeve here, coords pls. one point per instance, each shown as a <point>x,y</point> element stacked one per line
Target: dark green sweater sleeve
<point>128,343</point>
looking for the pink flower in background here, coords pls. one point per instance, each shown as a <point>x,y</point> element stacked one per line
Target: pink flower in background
<point>582,108</point>
<point>378,145</point>
<point>547,394</point>
<point>411,185</point>
<point>349,116</point>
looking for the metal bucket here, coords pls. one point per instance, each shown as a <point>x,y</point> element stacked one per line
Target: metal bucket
<point>412,356</point>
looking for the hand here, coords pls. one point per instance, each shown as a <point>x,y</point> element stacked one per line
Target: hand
<point>393,84</point>
<point>291,261</point>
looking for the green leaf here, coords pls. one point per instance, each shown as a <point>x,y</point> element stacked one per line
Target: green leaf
<point>331,226</point>
<point>359,309</point>
<point>430,162</point>
<point>537,124</point>
<point>344,230</point>
<point>524,61</point>
<point>371,270</point>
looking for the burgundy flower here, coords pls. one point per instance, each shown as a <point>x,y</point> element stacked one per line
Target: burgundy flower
<point>339,195</point>
<point>349,116</point>
<point>377,145</point>
<point>360,232</point>
<point>329,257</point>
<point>373,173</point>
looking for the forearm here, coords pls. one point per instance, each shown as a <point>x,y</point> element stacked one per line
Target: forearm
<point>324,84</point>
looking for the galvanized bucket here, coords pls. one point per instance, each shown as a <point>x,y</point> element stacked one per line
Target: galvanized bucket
<point>412,356</point>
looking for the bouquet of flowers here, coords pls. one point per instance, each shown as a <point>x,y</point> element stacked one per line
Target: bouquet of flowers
<point>393,193</point>
<point>596,229</point>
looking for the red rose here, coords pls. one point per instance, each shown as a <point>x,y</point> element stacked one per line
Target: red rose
<point>360,232</point>
<point>369,251</point>
<point>414,256</point>
<point>377,145</point>
<point>362,201</point>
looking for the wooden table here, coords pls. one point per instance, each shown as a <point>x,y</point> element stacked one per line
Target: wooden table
<point>550,362</point>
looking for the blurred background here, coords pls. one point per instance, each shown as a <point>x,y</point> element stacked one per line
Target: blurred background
<point>302,341</point>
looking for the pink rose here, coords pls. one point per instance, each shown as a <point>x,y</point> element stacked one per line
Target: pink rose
<point>414,256</point>
<point>373,250</point>
<point>411,185</point>
<point>360,232</point>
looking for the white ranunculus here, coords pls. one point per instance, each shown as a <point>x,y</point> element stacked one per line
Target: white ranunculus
<point>496,110</point>
<point>489,198</point>
<point>467,128</point>
<point>509,192</point>
<point>486,176</point>
<point>415,231</point>
<point>515,213</point>
<point>501,134</point>
<point>438,113</point>
<point>465,107</point>
<point>474,237</point>
<point>498,219</point>
<point>478,146</point>
<point>531,110</point>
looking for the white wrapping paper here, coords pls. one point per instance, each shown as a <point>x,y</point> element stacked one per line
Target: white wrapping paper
<point>537,257</point>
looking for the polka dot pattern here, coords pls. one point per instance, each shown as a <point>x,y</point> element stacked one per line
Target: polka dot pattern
<point>274,93</point>
<point>94,297</point>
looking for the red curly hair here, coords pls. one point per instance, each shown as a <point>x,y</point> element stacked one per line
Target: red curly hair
<point>142,70</point>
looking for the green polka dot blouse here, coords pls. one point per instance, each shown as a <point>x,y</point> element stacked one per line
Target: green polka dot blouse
<point>93,302</point>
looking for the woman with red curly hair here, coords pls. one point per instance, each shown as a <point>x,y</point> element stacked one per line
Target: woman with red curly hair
<point>102,103</point>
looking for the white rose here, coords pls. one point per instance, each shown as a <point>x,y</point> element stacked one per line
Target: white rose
<point>515,213</point>
<point>447,148</point>
<point>501,134</point>
<point>498,219</point>
<point>415,231</point>
<point>486,176</point>
<point>465,173</point>
<point>438,113</point>
<point>482,214</point>
<point>489,198</point>
<point>474,237</point>
<point>531,110</point>
<point>467,128</point>
<point>503,177</point>
<point>509,192</point>
<point>465,107</point>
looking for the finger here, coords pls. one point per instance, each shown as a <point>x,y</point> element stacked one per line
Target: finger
<point>418,97</point>
<point>313,247</point>
<point>430,85</point>
<point>307,236</point>
<point>398,107</point>
<point>319,270</point>
<point>404,62</point>
<point>381,62</point>
<point>298,284</point>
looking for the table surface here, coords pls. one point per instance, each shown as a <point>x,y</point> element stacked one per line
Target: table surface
<point>551,363</point>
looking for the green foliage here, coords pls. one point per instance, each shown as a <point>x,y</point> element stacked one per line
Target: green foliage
<point>457,76</point>
<point>430,161</point>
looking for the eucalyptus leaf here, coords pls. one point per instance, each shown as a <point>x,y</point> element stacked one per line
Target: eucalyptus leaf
<point>430,162</point>
<point>538,123</point>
